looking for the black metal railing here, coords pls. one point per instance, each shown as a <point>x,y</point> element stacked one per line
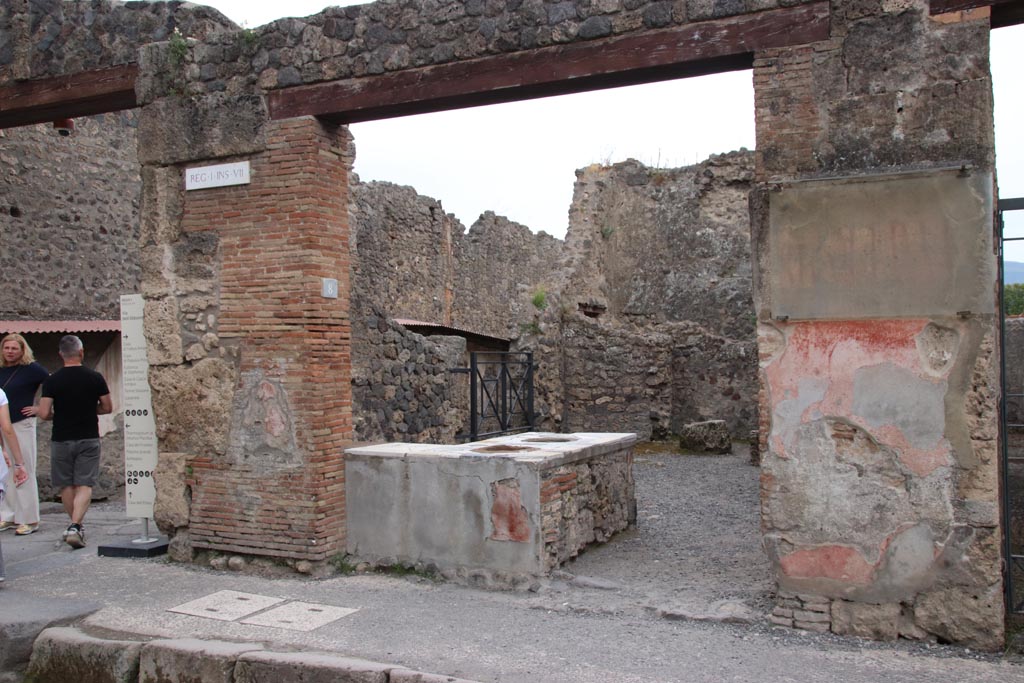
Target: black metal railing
<point>500,394</point>
<point>1013,497</point>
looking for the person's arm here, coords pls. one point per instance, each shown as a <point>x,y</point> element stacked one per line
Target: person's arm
<point>44,411</point>
<point>11,440</point>
<point>40,377</point>
<point>105,406</point>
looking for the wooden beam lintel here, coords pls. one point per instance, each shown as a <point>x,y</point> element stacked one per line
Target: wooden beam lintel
<point>1004,12</point>
<point>82,94</point>
<point>694,49</point>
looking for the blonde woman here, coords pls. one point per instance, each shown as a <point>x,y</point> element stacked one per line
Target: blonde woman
<point>10,469</point>
<point>20,377</point>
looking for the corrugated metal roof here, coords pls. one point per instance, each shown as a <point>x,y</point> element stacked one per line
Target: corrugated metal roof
<point>457,331</point>
<point>67,326</point>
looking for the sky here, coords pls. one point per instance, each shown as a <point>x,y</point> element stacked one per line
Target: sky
<point>519,159</point>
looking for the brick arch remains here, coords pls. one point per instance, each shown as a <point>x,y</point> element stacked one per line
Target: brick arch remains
<point>873,254</point>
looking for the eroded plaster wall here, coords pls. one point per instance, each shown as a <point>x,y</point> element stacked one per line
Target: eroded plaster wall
<point>876,327</point>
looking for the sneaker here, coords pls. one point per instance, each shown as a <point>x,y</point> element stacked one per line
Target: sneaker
<point>26,529</point>
<point>75,536</point>
<point>4,526</point>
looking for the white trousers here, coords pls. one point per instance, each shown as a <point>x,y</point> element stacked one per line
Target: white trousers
<point>20,504</point>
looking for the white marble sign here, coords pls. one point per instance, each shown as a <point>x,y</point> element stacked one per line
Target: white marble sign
<point>140,450</point>
<point>220,175</point>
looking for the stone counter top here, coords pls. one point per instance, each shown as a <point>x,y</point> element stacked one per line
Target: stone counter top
<point>509,507</point>
<point>542,449</point>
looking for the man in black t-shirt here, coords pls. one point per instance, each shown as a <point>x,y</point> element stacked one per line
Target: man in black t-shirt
<point>73,397</point>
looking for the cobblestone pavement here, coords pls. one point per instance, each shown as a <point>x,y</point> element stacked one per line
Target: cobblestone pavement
<point>648,607</point>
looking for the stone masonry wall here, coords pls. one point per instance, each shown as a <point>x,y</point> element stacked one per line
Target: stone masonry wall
<point>392,35</point>
<point>584,503</point>
<point>404,246</point>
<point>69,219</point>
<point>47,38</point>
<point>648,364</point>
<point>662,257</point>
<point>402,389</point>
<point>880,481</point>
<point>501,267</point>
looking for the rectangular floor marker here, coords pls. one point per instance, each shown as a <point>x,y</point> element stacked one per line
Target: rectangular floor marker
<point>299,616</point>
<point>226,605</point>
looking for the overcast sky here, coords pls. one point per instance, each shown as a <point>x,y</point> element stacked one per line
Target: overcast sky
<point>519,159</point>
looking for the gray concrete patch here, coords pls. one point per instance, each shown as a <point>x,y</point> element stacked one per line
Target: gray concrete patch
<point>226,605</point>
<point>299,616</point>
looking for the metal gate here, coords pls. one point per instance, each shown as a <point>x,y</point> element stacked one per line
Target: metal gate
<point>1011,229</point>
<point>500,394</point>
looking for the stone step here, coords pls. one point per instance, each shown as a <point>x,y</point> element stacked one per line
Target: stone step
<point>63,654</point>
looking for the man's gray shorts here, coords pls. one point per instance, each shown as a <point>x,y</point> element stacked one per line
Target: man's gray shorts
<point>74,463</point>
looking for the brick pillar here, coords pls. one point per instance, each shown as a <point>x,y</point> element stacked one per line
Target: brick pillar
<point>875,279</point>
<point>278,487</point>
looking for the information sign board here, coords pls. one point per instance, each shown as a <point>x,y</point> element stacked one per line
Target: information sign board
<point>140,449</point>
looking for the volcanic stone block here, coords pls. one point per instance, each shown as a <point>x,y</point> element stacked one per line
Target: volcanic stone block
<point>711,436</point>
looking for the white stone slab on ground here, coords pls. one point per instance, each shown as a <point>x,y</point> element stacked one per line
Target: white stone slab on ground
<point>227,605</point>
<point>299,616</point>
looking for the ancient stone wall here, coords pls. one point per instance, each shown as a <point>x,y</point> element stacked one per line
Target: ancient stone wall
<point>404,245</point>
<point>391,35</point>
<point>46,38</point>
<point>502,267</point>
<point>402,389</point>
<point>69,216</point>
<point>661,257</point>
<point>647,364</point>
<point>879,485</point>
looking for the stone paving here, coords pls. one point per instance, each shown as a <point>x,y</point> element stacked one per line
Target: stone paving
<point>613,615</point>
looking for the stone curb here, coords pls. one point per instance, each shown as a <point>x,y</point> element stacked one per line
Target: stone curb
<point>69,654</point>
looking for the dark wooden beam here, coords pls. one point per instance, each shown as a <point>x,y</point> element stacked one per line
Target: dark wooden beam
<point>82,94</point>
<point>695,49</point>
<point>1004,12</point>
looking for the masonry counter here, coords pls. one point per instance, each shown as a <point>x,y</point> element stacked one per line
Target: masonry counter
<point>513,505</point>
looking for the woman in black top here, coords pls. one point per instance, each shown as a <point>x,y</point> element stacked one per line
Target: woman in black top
<point>20,377</point>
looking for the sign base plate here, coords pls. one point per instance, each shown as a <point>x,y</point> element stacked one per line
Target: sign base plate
<point>128,548</point>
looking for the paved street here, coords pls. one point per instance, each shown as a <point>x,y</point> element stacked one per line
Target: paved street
<point>598,626</point>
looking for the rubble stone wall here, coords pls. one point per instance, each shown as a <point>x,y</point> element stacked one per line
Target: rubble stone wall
<point>69,216</point>
<point>49,38</point>
<point>502,267</point>
<point>402,387</point>
<point>647,364</point>
<point>662,258</point>
<point>585,502</point>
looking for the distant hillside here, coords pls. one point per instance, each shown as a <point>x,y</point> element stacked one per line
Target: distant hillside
<point>1013,272</point>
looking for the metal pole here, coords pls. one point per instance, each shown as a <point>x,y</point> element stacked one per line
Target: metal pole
<point>473,426</point>
<point>145,533</point>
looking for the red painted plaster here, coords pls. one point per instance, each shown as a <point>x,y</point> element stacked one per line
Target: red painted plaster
<point>837,562</point>
<point>831,353</point>
<point>508,516</point>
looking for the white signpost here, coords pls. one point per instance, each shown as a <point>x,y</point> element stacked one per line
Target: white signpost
<point>140,450</point>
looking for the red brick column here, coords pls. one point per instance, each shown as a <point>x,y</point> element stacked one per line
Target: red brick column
<point>279,488</point>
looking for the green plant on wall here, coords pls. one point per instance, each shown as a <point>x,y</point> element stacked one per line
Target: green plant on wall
<point>540,298</point>
<point>178,48</point>
<point>607,231</point>
<point>1013,299</point>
